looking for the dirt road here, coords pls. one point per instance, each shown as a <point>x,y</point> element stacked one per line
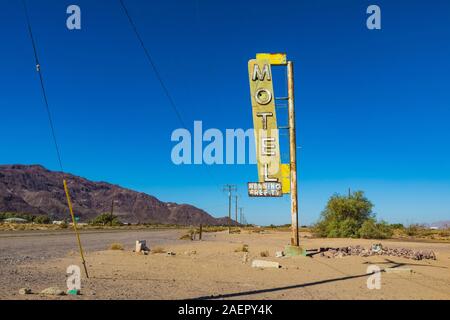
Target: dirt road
<point>43,245</point>
<point>215,268</point>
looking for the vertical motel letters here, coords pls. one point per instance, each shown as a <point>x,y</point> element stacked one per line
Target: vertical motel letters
<point>264,121</point>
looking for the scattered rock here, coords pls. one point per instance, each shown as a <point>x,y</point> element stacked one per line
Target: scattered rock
<point>376,249</point>
<point>245,257</point>
<point>24,291</point>
<point>170,253</point>
<point>190,253</point>
<point>279,254</point>
<point>53,291</point>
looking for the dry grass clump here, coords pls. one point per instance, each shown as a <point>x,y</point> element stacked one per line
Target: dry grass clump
<point>186,236</point>
<point>214,228</point>
<point>116,246</point>
<point>264,253</point>
<point>190,235</point>
<point>243,248</point>
<point>158,250</point>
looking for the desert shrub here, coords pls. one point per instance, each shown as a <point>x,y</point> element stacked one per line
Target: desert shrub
<point>42,219</point>
<point>116,246</point>
<point>444,233</point>
<point>158,250</point>
<point>214,228</point>
<point>264,253</point>
<point>190,235</point>
<point>186,236</point>
<point>243,248</point>
<point>372,230</point>
<point>413,230</point>
<point>397,226</point>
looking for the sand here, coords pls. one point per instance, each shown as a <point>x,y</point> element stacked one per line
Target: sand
<point>211,269</point>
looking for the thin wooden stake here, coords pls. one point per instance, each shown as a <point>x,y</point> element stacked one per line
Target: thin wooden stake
<point>69,203</point>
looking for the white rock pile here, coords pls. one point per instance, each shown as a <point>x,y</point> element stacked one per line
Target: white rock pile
<point>376,250</point>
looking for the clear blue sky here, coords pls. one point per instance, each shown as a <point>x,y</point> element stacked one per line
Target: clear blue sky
<point>373,107</point>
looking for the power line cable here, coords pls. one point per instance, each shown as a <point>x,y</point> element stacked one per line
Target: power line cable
<point>158,74</point>
<point>153,65</point>
<point>41,79</point>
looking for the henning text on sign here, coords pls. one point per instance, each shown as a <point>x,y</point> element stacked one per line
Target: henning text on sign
<point>264,120</point>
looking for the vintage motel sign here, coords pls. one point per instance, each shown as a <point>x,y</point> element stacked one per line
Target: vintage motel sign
<point>264,121</point>
<point>275,179</point>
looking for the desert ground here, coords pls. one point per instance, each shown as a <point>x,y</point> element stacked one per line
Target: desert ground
<point>213,268</point>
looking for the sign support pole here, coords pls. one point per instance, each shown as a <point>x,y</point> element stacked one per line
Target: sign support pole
<point>292,155</point>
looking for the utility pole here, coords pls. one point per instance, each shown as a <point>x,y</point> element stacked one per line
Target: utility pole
<point>240,215</point>
<point>292,155</point>
<point>229,188</point>
<point>236,208</point>
<point>112,212</point>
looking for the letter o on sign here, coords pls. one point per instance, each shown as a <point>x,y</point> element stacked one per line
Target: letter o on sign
<point>263,96</point>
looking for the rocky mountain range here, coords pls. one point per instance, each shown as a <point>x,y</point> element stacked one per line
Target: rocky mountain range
<point>32,189</point>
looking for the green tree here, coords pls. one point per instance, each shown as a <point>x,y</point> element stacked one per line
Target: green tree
<point>343,216</point>
<point>106,219</point>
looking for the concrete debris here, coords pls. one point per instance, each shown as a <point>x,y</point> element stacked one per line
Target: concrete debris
<point>141,246</point>
<point>265,264</point>
<point>279,254</point>
<point>24,291</point>
<point>74,292</point>
<point>376,250</point>
<point>377,247</point>
<point>245,257</point>
<point>398,270</point>
<point>53,291</point>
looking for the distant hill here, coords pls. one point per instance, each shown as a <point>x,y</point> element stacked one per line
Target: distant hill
<point>33,189</point>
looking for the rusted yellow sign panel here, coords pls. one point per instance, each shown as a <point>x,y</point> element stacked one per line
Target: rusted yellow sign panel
<point>286,178</point>
<point>274,58</point>
<point>264,121</point>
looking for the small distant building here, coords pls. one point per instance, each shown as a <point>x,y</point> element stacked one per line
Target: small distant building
<point>15,220</point>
